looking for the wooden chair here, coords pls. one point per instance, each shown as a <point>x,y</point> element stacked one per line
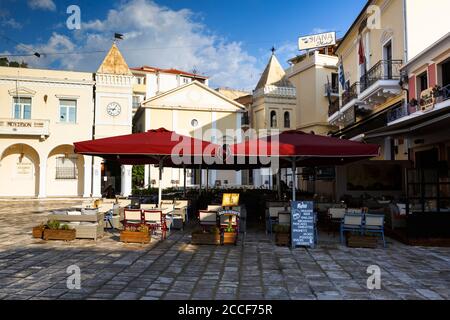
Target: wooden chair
<point>155,219</point>
<point>207,218</point>
<point>351,222</point>
<point>132,218</point>
<point>375,223</point>
<point>272,218</point>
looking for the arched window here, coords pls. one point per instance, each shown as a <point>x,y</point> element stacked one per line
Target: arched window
<point>273,119</point>
<point>287,119</point>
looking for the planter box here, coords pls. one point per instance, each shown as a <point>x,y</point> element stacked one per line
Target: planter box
<point>38,232</point>
<point>206,238</point>
<point>282,239</point>
<point>134,237</point>
<point>356,241</point>
<point>229,238</point>
<point>65,235</point>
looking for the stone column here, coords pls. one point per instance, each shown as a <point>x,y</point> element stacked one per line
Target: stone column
<point>87,189</point>
<point>97,178</point>
<point>43,178</point>
<point>125,188</point>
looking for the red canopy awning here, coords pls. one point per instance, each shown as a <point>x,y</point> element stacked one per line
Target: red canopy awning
<point>149,147</point>
<point>307,149</point>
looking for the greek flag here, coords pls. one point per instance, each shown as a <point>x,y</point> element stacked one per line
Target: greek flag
<point>341,74</point>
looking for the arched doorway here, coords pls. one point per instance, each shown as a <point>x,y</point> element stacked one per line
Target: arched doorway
<point>65,172</point>
<point>19,171</point>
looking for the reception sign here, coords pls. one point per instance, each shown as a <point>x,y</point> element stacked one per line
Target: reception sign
<point>302,224</point>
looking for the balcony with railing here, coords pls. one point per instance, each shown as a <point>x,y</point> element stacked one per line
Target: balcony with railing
<point>24,127</point>
<point>380,82</point>
<point>431,99</point>
<point>333,108</point>
<point>350,94</point>
<point>334,90</point>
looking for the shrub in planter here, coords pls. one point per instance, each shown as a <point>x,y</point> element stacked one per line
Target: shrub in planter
<point>212,236</point>
<point>38,231</point>
<point>141,234</point>
<point>54,231</point>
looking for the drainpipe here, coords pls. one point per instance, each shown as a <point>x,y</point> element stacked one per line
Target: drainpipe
<point>405,33</point>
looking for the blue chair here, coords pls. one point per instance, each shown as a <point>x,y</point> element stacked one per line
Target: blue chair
<point>375,223</point>
<point>272,219</point>
<point>108,218</point>
<point>351,222</point>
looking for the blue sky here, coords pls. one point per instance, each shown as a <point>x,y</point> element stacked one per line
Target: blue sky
<point>227,40</point>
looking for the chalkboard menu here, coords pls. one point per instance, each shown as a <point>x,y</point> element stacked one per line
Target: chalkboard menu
<point>302,223</point>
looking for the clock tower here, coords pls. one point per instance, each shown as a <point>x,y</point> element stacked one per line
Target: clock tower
<point>113,117</point>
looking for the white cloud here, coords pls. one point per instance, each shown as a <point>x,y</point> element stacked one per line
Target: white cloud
<point>10,22</point>
<point>157,36</point>
<point>42,4</point>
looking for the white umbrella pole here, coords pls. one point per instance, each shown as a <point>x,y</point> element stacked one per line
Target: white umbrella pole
<point>160,183</point>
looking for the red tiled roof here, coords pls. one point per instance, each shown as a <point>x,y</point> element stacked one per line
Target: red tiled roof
<point>172,71</point>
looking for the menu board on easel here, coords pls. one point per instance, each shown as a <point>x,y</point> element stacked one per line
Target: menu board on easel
<point>302,224</point>
<point>230,200</point>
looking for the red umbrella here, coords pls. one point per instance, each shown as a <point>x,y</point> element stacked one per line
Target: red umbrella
<point>294,148</point>
<point>161,146</point>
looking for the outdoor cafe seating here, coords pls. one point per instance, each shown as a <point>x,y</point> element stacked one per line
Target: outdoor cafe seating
<point>362,223</point>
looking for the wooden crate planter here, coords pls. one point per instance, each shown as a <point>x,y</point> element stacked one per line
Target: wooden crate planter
<point>206,238</point>
<point>357,241</point>
<point>65,235</point>
<point>229,238</point>
<point>135,237</point>
<point>38,232</point>
<point>282,239</point>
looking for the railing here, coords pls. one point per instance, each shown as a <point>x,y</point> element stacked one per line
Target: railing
<point>397,113</point>
<point>32,127</point>
<point>438,95</point>
<point>274,90</point>
<point>333,90</point>
<point>350,94</point>
<point>382,70</point>
<point>333,108</point>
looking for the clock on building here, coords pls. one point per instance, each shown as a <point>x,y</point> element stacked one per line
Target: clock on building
<point>113,109</point>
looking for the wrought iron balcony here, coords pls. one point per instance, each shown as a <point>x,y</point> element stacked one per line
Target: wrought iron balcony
<point>350,94</point>
<point>397,113</point>
<point>382,70</point>
<point>333,108</point>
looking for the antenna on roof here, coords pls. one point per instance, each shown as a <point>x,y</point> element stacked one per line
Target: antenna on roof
<point>194,70</point>
<point>273,50</point>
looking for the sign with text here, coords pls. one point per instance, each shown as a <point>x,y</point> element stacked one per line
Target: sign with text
<point>317,41</point>
<point>302,223</point>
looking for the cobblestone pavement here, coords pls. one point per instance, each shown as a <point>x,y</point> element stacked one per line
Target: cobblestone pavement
<point>175,269</point>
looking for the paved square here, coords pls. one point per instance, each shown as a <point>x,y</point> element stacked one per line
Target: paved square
<point>175,269</point>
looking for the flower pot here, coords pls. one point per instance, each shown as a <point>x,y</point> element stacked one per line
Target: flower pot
<point>358,241</point>
<point>229,238</point>
<point>135,237</point>
<point>65,235</point>
<point>38,232</point>
<point>206,238</point>
<point>282,239</point>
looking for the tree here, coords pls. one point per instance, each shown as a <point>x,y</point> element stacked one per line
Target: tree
<point>138,176</point>
<point>4,62</point>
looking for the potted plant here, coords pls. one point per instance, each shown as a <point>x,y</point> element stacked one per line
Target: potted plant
<point>38,231</point>
<point>229,236</point>
<point>140,234</point>
<point>282,235</point>
<point>55,231</point>
<point>437,93</point>
<point>211,236</point>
